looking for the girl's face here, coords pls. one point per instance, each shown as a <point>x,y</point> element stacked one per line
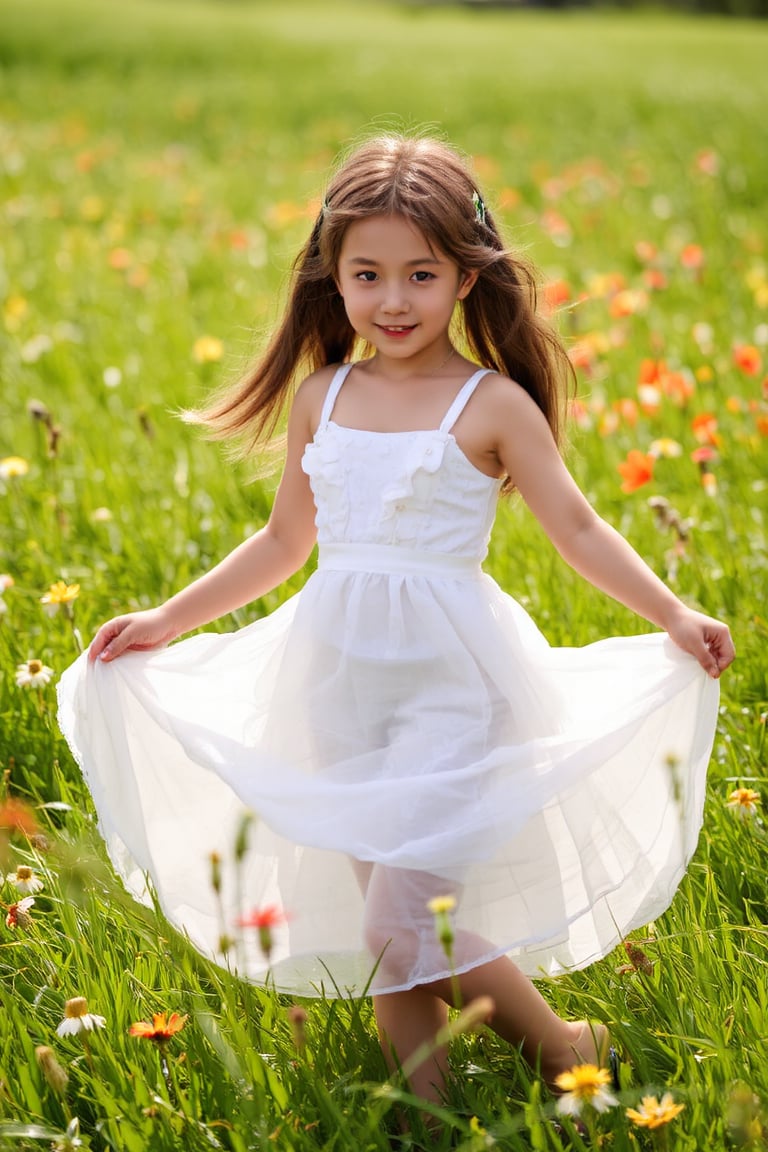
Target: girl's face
<point>399,294</point>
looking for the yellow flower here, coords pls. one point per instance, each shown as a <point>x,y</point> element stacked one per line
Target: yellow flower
<point>441,904</point>
<point>77,1018</point>
<point>59,595</point>
<point>652,1113</point>
<point>206,349</point>
<point>584,1084</point>
<point>743,802</point>
<point>13,466</point>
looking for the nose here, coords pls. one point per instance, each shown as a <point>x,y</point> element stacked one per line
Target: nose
<point>394,301</point>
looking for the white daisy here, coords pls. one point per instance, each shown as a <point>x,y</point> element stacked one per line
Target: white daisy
<point>24,879</point>
<point>77,1018</point>
<point>33,674</point>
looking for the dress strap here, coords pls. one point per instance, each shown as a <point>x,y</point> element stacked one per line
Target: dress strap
<point>461,400</point>
<point>334,388</point>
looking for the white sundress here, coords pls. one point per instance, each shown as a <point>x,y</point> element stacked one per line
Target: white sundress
<point>401,730</point>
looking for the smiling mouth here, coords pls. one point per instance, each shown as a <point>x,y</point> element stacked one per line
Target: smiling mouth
<point>396,327</point>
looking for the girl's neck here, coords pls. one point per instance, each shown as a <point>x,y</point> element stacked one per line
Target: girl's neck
<point>396,370</point>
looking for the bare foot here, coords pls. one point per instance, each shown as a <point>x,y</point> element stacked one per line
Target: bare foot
<point>588,1043</point>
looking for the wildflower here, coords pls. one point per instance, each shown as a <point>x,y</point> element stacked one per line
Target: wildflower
<point>743,802</point>
<point>77,1018</point>
<point>18,914</point>
<point>160,1030</point>
<point>652,1113</point>
<point>746,357</point>
<point>665,446</point>
<point>441,904</point>
<point>13,466</point>
<point>6,582</point>
<point>705,428</point>
<point>636,470</point>
<point>59,595</point>
<point>33,674</point>
<point>207,349</point>
<point>263,920</point>
<point>692,257</point>
<point>51,1069</point>
<point>584,1084</point>
<point>17,817</point>
<point>112,377</point>
<point>70,1139</point>
<point>24,879</point>
<point>297,1018</point>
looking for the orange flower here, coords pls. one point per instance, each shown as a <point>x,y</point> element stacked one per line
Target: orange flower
<point>651,371</point>
<point>636,470</point>
<point>160,1030</point>
<point>626,407</point>
<point>677,386</point>
<point>747,357</point>
<point>17,817</point>
<point>557,292</point>
<point>692,257</point>
<point>705,428</point>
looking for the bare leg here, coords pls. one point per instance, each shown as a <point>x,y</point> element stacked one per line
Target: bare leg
<point>406,1022</point>
<point>523,1017</point>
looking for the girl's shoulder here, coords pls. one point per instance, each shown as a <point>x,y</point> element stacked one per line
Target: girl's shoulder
<point>311,392</point>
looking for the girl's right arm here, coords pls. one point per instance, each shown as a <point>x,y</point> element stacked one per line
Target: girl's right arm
<point>252,569</point>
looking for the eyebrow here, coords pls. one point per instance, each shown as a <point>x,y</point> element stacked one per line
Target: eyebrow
<point>409,263</point>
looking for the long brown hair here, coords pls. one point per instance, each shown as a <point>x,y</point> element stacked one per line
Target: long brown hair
<point>428,184</point>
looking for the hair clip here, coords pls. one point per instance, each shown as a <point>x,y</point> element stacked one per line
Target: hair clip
<point>477,200</point>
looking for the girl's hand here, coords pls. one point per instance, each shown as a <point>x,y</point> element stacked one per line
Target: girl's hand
<point>706,639</point>
<point>136,632</point>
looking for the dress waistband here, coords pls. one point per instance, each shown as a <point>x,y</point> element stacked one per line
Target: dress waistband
<point>392,559</point>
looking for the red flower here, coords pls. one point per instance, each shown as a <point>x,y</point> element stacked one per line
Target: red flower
<point>636,470</point>
<point>747,357</point>
<point>263,920</point>
<point>692,257</point>
<point>160,1030</point>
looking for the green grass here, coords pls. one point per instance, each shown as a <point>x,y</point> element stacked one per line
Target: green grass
<point>158,162</point>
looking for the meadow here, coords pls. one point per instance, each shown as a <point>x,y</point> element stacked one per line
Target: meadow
<point>160,164</point>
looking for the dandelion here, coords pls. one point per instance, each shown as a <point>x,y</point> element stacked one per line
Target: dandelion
<point>584,1084</point>
<point>78,1019</point>
<point>18,914</point>
<point>263,920</point>
<point>207,349</point>
<point>33,674</point>
<point>160,1030</point>
<point>636,470</point>
<point>59,595</point>
<point>11,467</point>
<point>653,1113</point>
<point>743,802</point>
<point>25,880</point>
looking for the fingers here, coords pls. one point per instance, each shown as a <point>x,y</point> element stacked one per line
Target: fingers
<point>106,644</point>
<point>720,651</point>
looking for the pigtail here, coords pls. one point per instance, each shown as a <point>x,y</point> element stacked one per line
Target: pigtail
<point>314,332</point>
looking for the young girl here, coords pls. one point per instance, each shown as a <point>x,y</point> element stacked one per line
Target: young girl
<point>400,728</point>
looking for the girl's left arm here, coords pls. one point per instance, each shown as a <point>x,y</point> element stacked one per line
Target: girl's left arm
<point>527,451</point>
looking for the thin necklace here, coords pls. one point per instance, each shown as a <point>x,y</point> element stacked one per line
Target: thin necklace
<point>440,367</point>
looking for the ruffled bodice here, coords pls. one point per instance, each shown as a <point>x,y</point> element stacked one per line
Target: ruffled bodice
<point>413,489</point>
